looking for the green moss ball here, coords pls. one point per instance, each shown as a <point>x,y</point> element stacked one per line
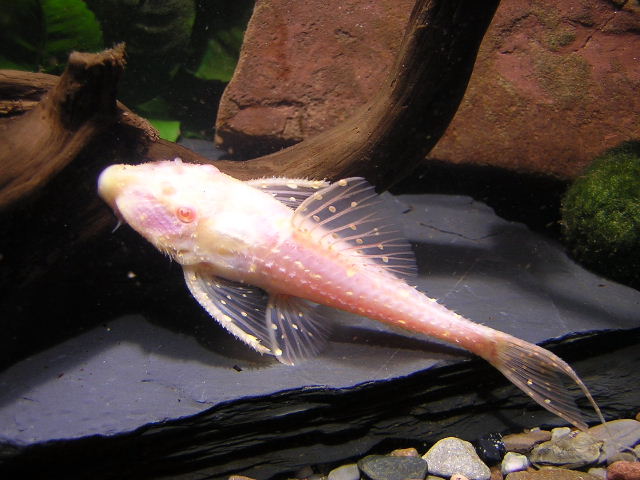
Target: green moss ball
<point>601,215</point>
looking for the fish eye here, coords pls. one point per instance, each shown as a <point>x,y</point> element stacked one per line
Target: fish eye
<point>186,214</point>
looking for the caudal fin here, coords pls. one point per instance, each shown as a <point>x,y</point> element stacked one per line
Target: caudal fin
<point>543,376</point>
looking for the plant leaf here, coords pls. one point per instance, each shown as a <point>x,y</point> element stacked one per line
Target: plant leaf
<point>69,25</point>
<point>168,129</point>
<point>39,35</point>
<point>221,55</point>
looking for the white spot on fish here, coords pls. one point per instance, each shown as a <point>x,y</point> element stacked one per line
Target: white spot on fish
<point>332,209</point>
<point>342,183</point>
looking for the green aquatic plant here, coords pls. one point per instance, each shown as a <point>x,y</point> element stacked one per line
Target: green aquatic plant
<point>601,215</point>
<point>39,34</point>
<point>180,53</point>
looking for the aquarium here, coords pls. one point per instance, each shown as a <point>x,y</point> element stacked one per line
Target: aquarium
<point>267,239</point>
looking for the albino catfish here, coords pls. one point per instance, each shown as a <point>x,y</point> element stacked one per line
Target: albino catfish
<point>307,242</point>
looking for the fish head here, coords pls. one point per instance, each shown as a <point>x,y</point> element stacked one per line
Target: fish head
<point>161,201</point>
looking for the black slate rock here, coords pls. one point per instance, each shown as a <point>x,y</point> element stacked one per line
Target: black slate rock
<point>490,448</point>
<point>385,467</point>
<point>135,399</point>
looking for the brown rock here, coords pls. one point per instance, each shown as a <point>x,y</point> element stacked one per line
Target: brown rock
<point>524,442</point>
<point>623,470</point>
<point>458,476</point>
<point>405,452</point>
<point>306,66</point>
<point>551,473</point>
<point>496,472</point>
<point>553,85</point>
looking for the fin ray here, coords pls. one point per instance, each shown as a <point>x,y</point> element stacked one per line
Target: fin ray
<point>296,328</point>
<point>543,376</point>
<point>349,216</point>
<point>237,307</point>
<point>290,191</point>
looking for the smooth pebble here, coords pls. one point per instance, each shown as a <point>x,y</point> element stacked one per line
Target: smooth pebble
<point>345,472</point>
<point>386,467</point>
<point>513,462</point>
<point>451,456</point>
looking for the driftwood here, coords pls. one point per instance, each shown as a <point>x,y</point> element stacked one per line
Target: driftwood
<point>57,256</point>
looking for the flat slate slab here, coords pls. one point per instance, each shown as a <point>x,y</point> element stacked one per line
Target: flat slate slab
<point>131,399</point>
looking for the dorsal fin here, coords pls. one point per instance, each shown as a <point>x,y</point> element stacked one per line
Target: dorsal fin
<point>290,191</point>
<point>350,217</point>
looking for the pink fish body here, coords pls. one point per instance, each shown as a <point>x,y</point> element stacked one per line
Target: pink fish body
<point>306,242</point>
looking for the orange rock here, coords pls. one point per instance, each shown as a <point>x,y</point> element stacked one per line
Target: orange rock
<point>554,84</point>
<point>623,470</point>
<point>405,452</point>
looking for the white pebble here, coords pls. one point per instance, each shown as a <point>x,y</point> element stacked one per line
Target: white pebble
<point>345,472</point>
<point>514,462</point>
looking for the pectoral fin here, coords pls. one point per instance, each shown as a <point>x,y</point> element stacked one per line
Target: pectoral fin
<point>287,327</point>
<point>239,308</point>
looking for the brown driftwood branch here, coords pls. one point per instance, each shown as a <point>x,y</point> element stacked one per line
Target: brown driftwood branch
<point>58,133</point>
<point>59,117</point>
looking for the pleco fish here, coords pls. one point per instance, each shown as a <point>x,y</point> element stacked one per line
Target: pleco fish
<point>303,243</point>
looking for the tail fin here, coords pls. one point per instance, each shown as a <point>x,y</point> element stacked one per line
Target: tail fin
<point>543,376</point>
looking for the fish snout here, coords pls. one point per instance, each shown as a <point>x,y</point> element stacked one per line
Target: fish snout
<point>112,181</point>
